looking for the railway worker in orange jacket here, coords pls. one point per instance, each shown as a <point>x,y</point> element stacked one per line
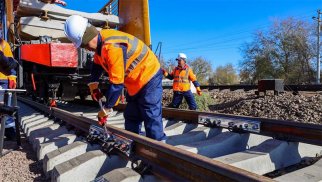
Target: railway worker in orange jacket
<point>181,76</point>
<point>7,80</point>
<point>128,62</point>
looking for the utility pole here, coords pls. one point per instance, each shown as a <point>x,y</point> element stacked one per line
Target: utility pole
<point>159,46</point>
<point>318,72</point>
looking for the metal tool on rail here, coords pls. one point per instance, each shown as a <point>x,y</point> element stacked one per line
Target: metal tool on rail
<point>102,108</point>
<point>113,143</point>
<point>110,141</point>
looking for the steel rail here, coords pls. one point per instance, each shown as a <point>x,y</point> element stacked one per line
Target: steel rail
<point>280,129</point>
<point>254,87</point>
<point>165,160</point>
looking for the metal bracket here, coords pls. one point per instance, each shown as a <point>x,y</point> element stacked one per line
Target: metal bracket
<point>231,123</point>
<point>109,140</point>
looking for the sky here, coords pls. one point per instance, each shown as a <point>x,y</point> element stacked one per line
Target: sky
<point>212,29</point>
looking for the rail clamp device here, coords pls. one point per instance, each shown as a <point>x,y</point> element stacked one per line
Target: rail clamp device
<point>231,123</point>
<point>110,142</point>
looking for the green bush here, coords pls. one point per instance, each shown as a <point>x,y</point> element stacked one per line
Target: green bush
<point>202,101</point>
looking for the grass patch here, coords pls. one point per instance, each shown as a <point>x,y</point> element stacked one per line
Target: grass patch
<point>202,101</point>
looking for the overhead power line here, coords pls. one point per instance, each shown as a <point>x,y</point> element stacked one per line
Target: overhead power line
<point>230,35</point>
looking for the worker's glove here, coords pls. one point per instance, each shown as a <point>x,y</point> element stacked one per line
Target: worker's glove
<point>12,82</point>
<point>164,72</point>
<point>103,114</point>
<point>96,95</point>
<point>199,91</point>
<point>95,92</point>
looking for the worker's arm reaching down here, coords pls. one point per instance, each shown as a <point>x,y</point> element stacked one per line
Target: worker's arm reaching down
<point>96,73</point>
<point>115,53</point>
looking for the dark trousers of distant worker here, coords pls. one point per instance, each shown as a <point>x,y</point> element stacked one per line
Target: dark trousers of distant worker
<point>146,106</point>
<point>178,96</point>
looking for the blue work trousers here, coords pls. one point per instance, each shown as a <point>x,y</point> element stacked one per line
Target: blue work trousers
<point>146,106</point>
<point>178,96</point>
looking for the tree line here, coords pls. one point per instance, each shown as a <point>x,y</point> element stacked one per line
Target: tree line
<point>222,75</point>
<point>286,50</point>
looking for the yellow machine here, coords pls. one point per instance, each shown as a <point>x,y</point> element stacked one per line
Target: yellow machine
<point>134,16</point>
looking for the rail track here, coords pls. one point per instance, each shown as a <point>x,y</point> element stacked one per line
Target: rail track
<point>294,88</point>
<point>200,146</point>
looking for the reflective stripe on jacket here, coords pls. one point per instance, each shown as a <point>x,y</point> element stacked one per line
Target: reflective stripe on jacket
<point>182,78</point>
<point>5,48</point>
<point>138,68</point>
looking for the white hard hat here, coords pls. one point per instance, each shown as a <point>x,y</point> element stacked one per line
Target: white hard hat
<point>75,27</point>
<point>182,56</point>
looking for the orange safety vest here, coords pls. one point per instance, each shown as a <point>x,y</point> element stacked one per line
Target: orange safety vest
<point>182,78</point>
<point>141,63</point>
<point>5,48</point>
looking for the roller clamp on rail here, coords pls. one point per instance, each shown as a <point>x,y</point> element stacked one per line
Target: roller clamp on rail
<point>232,124</point>
<point>109,141</point>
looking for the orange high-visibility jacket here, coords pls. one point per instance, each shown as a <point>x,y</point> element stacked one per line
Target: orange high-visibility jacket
<point>140,64</point>
<point>182,78</point>
<point>5,48</point>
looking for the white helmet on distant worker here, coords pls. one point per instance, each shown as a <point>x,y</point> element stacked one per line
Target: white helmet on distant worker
<point>182,56</point>
<point>75,27</point>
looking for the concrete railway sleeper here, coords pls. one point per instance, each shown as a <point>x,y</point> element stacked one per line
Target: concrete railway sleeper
<point>194,151</point>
